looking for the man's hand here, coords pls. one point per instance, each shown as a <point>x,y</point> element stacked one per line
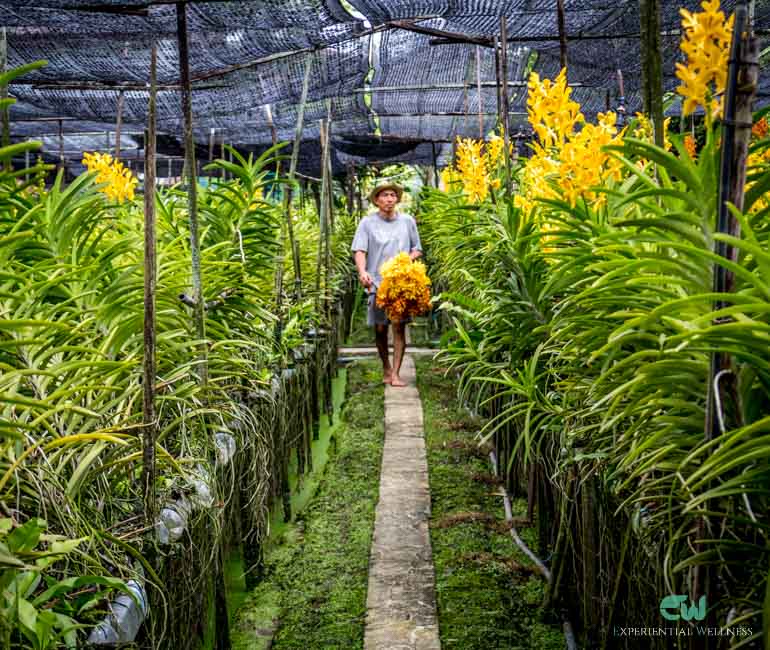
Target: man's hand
<point>365,279</point>
<point>414,254</point>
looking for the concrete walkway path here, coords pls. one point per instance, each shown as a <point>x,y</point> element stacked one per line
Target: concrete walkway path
<point>366,351</point>
<point>401,599</point>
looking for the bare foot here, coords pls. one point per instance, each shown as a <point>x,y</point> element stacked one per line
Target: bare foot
<point>397,382</point>
<point>387,376</point>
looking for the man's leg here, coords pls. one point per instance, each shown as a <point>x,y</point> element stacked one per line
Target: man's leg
<point>399,346</point>
<point>381,337</point>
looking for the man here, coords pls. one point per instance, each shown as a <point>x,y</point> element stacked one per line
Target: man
<point>381,236</point>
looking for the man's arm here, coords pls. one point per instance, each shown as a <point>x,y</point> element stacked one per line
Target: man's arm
<point>363,277</point>
<point>414,241</point>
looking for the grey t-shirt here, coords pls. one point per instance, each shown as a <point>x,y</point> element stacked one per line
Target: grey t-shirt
<point>382,239</point>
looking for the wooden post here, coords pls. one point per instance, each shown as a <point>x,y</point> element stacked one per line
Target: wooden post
<point>478,91</point>
<point>192,190</point>
<point>6,117</point>
<point>498,81</point>
<point>652,67</point>
<point>435,164</point>
<point>321,214</point>
<point>61,145</point>
<point>562,33</point>
<point>349,189</point>
<point>466,81</point>
<point>273,136</point>
<point>212,141</point>
<point>329,185</point>
<point>621,99</point>
<point>300,116</point>
<point>119,123</point>
<point>150,271</point>
<point>736,132</point>
<point>292,171</point>
<point>505,103</point>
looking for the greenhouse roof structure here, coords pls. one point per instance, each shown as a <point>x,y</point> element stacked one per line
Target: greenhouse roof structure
<point>399,79</point>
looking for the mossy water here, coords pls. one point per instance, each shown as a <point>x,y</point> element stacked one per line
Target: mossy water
<point>487,593</point>
<point>314,591</point>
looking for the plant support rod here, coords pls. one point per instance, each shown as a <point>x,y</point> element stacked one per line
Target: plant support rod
<point>150,279</point>
<point>192,191</point>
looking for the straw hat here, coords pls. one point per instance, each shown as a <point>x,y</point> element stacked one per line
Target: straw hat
<point>386,186</point>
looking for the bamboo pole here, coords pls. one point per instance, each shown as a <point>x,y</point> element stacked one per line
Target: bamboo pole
<point>498,81</point>
<point>192,191</point>
<point>212,142</point>
<point>505,103</point>
<point>562,33</point>
<point>292,171</point>
<point>351,180</point>
<point>736,132</point>
<point>478,92</point>
<point>273,136</point>
<point>329,185</point>
<point>6,116</point>
<point>322,203</point>
<point>435,163</point>
<point>61,145</point>
<point>150,279</point>
<point>621,98</point>
<point>652,67</point>
<point>119,123</point>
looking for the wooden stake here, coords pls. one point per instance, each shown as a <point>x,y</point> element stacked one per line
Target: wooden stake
<point>273,136</point>
<point>119,124</point>
<point>478,91</point>
<point>300,116</point>
<point>349,188</point>
<point>505,105</point>
<point>150,274</point>
<point>742,80</point>
<point>292,170</point>
<point>223,156</point>
<point>562,33</point>
<point>192,191</point>
<point>498,82</point>
<point>6,117</point>
<point>652,67</point>
<point>435,163</point>
<point>621,98</point>
<point>330,185</point>
<point>61,145</point>
<point>321,213</point>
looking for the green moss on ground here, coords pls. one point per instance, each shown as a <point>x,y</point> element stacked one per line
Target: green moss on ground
<point>487,595</point>
<point>314,591</point>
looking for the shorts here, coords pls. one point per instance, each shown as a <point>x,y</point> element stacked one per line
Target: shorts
<point>376,315</point>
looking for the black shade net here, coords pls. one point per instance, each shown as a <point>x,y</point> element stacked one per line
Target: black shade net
<point>390,92</point>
